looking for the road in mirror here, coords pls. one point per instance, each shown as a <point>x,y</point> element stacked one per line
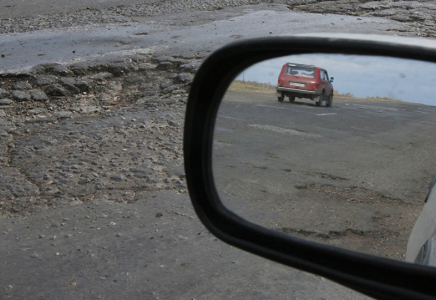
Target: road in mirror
<point>344,162</point>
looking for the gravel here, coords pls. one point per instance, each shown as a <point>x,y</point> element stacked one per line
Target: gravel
<point>96,86</point>
<point>103,133</point>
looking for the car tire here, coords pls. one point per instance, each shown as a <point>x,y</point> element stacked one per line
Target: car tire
<point>281,98</point>
<point>291,98</point>
<point>319,100</point>
<point>329,101</point>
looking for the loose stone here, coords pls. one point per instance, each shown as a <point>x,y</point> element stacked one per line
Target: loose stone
<point>101,76</point>
<point>146,66</point>
<point>190,67</point>
<point>63,114</point>
<point>38,96</point>
<point>171,88</point>
<point>56,90</point>
<point>118,177</point>
<point>62,70</point>
<point>45,80</point>
<point>22,85</point>
<point>69,84</point>
<point>104,97</point>
<point>173,123</point>
<point>120,68</point>
<point>84,181</point>
<point>400,18</point>
<point>3,93</point>
<point>21,96</point>
<point>134,79</point>
<point>164,65</point>
<point>142,101</point>
<point>166,83</point>
<point>83,85</point>
<point>37,111</point>
<point>6,101</point>
<point>185,77</point>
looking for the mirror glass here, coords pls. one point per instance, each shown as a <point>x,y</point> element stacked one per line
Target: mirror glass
<point>337,149</point>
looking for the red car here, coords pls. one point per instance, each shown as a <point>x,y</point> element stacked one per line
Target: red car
<point>305,81</point>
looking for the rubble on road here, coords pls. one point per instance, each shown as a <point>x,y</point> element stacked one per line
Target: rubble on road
<point>90,87</point>
<point>92,131</point>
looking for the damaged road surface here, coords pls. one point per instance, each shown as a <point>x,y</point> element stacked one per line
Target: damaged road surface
<point>140,29</point>
<point>93,196</point>
<point>354,176</point>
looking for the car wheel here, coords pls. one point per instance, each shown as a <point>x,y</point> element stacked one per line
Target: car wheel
<point>330,101</point>
<point>320,99</point>
<point>291,98</point>
<point>281,98</point>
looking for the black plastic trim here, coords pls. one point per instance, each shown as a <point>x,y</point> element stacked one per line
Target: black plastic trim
<point>283,89</point>
<point>377,277</point>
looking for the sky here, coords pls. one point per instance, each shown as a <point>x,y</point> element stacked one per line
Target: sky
<point>362,76</point>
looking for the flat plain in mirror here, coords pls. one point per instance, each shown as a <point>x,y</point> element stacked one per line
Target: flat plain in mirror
<point>352,174</point>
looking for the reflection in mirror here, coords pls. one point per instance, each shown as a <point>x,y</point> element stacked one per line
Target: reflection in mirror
<point>344,162</point>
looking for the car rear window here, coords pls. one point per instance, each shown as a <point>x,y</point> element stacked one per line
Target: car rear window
<point>300,72</point>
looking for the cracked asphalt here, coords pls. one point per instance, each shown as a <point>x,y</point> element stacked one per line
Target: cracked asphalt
<point>93,195</point>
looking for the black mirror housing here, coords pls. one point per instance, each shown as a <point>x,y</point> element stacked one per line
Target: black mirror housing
<point>374,276</point>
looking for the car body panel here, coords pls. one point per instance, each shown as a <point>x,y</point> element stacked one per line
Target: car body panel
<point>303,81</point>
<point>421,247</point>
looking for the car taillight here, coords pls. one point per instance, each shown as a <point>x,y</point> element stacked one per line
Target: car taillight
<point>315,86</point>
<point>280,82</point>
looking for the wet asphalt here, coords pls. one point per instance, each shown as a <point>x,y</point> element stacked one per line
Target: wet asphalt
<point>184,34</point>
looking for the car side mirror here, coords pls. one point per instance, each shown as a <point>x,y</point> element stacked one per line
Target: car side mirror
<point>247,191</point>
<point>331,79</point>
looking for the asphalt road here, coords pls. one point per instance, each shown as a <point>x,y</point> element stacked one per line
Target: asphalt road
<point>353,175</point>
<point>127,230</point>
<point>24,8</point>
<point>103,224</point>
<point>186,34</point>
